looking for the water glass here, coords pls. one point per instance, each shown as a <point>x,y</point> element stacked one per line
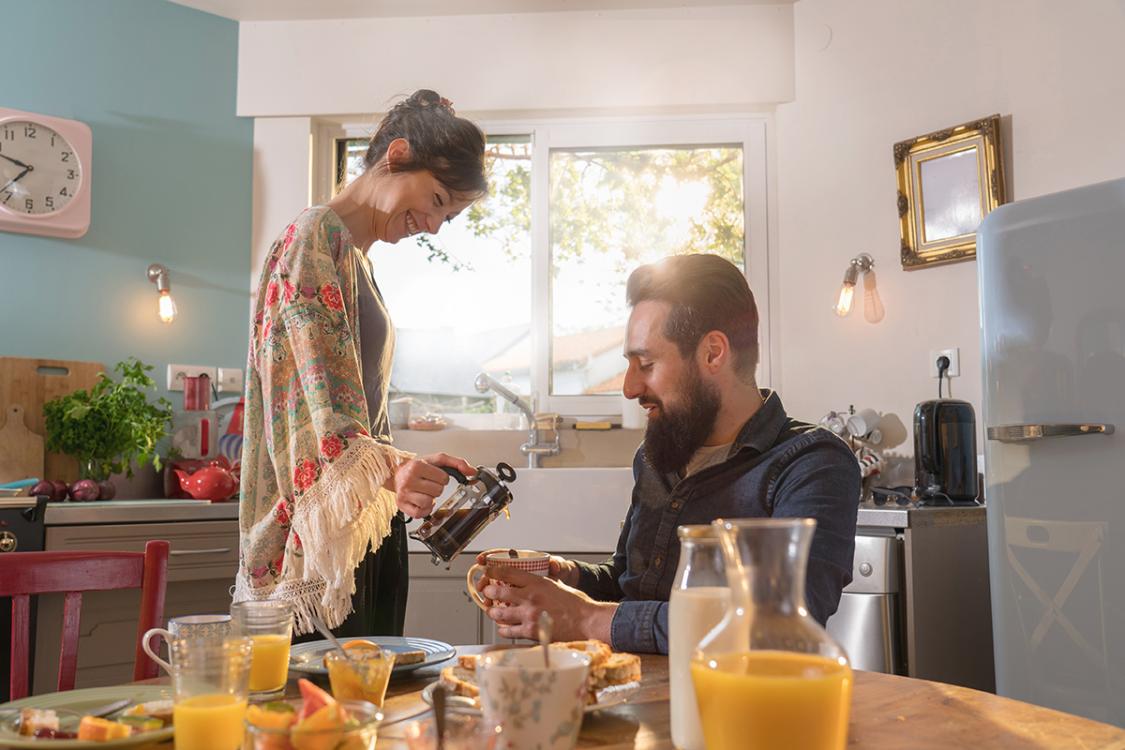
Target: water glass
<point>464,730</point>
<point>269,625</point>
<point>210,681</point>
<point>361,674</point>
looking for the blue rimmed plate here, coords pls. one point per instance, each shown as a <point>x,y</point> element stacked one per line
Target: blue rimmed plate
<point>308,658</point>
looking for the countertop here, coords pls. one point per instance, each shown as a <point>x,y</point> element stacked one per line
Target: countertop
<point>903,517</point>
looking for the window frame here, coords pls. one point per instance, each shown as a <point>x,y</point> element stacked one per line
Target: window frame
<point>748,131</point>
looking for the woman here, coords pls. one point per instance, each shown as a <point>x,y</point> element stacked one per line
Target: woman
<point>321,483</point>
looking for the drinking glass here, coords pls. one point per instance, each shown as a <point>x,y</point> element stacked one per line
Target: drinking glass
<point>269,625</point>
<point>210,681</point>
<point>361,674</point>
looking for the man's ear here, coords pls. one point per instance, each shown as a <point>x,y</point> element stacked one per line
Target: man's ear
<point>398,153</point>
<point>714,351</point>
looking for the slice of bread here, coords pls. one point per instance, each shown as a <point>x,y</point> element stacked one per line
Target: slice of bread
<point>34,719</point>
<point>460,681</point>
<point>409,657</point>
<point>621,669</point>
<point>468,661</point>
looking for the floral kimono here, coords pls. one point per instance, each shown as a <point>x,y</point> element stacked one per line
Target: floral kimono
<point>313,498</point>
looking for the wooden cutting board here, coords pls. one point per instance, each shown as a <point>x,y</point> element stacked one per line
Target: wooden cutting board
<point>21,450</point>
<point>31,383</point>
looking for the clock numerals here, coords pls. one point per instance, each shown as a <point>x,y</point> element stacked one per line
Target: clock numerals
<point>7,196</point>
<point>50,202</point>
<point>29,131</point>
<point>70,175</point>
<point>64,193</point>
<point>29,204</point>
<point>9,135</point>
<point>66,156</point>
<point>41,173</point>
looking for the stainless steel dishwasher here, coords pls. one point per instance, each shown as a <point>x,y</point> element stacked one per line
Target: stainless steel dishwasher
<point>918,604</point>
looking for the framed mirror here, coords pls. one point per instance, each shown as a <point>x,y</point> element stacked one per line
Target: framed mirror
<point>948,181</point>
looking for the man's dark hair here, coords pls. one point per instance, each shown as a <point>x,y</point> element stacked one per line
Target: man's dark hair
<point>707,293</point>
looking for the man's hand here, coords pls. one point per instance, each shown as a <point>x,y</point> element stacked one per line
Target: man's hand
<point>576,616</point>
<point>560,569</point>
<point>419,481</point>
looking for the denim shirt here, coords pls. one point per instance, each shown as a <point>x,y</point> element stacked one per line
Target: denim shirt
<point>776,467</point>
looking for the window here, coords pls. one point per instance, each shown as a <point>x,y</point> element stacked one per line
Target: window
<point>529,283</point>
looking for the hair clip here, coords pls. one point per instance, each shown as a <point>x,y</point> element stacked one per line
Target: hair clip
<point>447,104</point>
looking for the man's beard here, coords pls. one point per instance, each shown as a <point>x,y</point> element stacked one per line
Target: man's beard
<point>672,438</point>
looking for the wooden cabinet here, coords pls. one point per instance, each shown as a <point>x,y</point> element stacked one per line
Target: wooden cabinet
<point>201,569</point>
<point>438,605</point>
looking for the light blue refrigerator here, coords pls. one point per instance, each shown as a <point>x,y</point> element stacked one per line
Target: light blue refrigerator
<point>1052,300</point>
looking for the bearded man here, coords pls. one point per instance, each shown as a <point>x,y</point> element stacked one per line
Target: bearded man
<point>716,446</point>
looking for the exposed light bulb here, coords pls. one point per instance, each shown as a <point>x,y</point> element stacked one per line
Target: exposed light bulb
<point>166,307</point>
<point>844,303</point>
<point>873,310</point>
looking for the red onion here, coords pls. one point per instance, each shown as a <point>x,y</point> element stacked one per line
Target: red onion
<point>107,490</point>
<point>61,489</point>
<point>84,490</point>
<point>43,487</point>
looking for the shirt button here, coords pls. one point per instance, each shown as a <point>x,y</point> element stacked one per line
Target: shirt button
<point>676,505</point>
<point>658,561</point>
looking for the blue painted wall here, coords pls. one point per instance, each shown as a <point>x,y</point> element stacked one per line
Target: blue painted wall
<point>171,184</point>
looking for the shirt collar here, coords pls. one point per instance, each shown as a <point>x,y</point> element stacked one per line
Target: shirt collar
<point>762,430</point>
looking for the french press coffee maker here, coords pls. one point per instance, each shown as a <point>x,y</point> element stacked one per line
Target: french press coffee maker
<point>472,506</point>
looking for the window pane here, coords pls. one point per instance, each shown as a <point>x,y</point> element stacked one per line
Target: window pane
<point>461,300</point>
<point>612,210</point>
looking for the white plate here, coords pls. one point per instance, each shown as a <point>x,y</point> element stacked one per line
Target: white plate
<point>77,701</point>
<point>614,695</point>
<point>308,658</point>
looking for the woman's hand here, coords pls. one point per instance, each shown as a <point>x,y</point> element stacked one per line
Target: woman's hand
<point>419,481</point>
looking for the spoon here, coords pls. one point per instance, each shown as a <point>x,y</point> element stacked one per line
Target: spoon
<point>323,630</point>
<point>439,715</point>
<point>545,624</point>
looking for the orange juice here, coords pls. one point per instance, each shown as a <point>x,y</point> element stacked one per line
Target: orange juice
<point>209,722</point>
<point>269,665</point>
<point>767,700</point>
<point>362,676</point>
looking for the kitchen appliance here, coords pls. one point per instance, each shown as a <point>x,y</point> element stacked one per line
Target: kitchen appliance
<point>1051,271</point>
<point>21,530</point>
<point>945,451</point>
<point>472,506</point>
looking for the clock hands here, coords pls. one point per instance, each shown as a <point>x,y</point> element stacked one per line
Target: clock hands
<point>17,162</point>
<point>18,177</point>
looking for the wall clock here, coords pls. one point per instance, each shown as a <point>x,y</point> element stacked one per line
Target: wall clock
<point>44,174</point>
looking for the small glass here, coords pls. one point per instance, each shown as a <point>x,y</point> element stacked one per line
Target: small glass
<point>356,729</point>
<point>699,599</point>
<point>769,675</point>
<point>269,625</point>
<point>464,730</point>
<point>361,674</point>
<point>210,680</point>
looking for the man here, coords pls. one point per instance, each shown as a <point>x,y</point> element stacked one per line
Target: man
<point>716,447</point>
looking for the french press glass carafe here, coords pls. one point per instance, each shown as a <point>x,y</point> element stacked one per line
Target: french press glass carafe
<point>472,506</point>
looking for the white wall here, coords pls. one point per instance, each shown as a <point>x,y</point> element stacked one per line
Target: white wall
<point>282,149</point>
<point>676,58</point>
<point>871,73</point>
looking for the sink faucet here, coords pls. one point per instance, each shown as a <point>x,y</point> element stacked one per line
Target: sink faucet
<point>533,448</point>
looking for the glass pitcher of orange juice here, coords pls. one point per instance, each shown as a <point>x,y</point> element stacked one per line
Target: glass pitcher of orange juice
<point>769,676</point>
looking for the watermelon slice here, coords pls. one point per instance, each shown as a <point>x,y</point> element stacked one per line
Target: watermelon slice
<point>313,699</point>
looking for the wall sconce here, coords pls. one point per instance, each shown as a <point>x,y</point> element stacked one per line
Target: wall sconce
<point>166,306</point>
<point>873,310</point>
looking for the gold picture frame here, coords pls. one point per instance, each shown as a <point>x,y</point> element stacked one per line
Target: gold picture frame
<point>948,181</point>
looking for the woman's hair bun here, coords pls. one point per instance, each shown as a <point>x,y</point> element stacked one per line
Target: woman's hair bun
<point>427,99</point>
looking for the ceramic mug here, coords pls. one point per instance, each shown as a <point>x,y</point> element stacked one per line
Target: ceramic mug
<point>533,704</point>
<point>188,626</point>
<point>536,563</point>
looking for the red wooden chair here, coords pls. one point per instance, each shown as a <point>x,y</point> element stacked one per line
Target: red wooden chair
<point>24,574</point>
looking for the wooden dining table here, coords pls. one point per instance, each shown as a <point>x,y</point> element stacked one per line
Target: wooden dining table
<point>888,713</point>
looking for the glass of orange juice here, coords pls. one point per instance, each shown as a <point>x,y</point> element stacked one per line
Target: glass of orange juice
<point>361,674</point>
<point>210,680</point>
<point>269,625</point>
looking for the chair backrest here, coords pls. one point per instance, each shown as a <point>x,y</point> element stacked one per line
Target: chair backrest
<point>25,574</point>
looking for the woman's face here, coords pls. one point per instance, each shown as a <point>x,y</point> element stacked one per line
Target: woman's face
<point>415,202</point>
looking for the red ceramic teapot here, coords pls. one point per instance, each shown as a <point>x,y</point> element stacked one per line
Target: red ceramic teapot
<point>212,483</point>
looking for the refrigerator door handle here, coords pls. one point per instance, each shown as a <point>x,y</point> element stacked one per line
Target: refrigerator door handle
<point>1026,433</point>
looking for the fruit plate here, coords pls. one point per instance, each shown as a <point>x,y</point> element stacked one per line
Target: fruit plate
<point>613,695</point>
<point>77,702</point>
<point>308,658</point>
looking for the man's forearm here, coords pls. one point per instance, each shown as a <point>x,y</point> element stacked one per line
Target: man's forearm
<point>598,622</point>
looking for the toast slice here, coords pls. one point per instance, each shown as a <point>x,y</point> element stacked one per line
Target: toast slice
<point>461,681</point>
<point>409,657</point>
<point>34,719</point>
<point>620,669</point>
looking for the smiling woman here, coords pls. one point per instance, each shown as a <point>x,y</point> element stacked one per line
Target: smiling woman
<point>321,483</point>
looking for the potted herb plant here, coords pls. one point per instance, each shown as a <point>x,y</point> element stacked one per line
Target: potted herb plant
<point>113,425</point>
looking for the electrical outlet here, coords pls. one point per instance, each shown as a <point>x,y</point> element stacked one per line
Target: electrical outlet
<point>229,380</point>
<point>954,355</point>
<point>177,373</point>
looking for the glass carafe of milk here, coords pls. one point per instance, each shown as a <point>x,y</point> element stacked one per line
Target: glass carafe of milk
<point>697,603</point>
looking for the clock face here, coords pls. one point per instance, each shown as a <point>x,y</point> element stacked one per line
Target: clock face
<point>39,169</point>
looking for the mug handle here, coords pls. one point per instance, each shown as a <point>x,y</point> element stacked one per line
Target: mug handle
<point>148,649</point>
<point>471,586</point>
